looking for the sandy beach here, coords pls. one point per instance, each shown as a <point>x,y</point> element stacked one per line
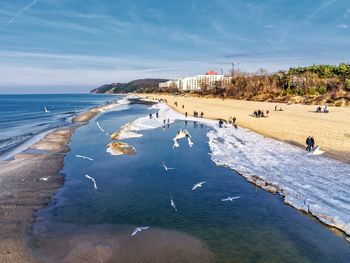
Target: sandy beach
<point>27,184</point>
<point>293,125</point>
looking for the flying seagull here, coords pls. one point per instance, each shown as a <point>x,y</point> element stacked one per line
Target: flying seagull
<point>165,167</point>
<point>198,185</point>
<point>139,229</point>
<point>44,178</point>
<point>99,126</point>
<point>173,204</point>
<point>84,157</point>
<point>230,198</point>
<point>92,179</point>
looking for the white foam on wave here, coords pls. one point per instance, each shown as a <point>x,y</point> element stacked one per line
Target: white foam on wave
<point>314,184</point>
<point>23,146</point>
<point>123,101</point>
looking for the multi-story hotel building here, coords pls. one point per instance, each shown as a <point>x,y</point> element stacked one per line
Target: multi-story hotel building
<point>197,83</point>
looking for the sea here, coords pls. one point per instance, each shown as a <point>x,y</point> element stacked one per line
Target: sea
<point>22,117</point>
<point>133,191</point>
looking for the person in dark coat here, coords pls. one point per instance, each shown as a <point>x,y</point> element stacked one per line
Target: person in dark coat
<point>312,143</point>
<point>157,115</point>
<point>221,123</point>
<point>186,114</point>
<point>150,115</point>
<point>308,143</point>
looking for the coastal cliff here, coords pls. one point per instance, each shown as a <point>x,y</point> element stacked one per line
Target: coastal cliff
<point>139,85</point>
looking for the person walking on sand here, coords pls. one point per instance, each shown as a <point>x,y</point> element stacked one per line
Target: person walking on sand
<point>221,123</point>
<point>202,114</point>
<point>234,120</point>
<point>230,120</point>
<point>312,143</point>
<point>186,114</point>
<point>308,143</point>
<point>183,106</point>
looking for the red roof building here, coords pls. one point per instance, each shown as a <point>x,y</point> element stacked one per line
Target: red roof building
<point>212,72</point>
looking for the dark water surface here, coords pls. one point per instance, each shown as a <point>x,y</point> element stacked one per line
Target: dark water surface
<point>23,116</point>
<point>135,191</point>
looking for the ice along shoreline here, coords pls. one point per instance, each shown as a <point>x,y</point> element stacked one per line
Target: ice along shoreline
<point>316,185</point>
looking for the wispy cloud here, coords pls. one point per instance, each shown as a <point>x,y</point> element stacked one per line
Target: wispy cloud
<point>19,12</point>
<point>343,26</point>
<point>324,5</point>
<point>347,13</point>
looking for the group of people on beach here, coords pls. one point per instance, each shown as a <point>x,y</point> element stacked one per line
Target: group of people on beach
<point>261,113</point>
<point>151,115</point>
<point>195,114</point>
<point>232,120</point>
<point>319,109</point>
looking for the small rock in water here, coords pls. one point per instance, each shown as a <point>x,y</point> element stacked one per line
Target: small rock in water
<point>118,148</point>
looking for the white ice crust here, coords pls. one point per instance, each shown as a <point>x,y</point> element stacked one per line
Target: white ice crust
<point>315,184</point>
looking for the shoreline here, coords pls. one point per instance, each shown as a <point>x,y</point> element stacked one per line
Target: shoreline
<point>312,186</point>
<point>28,183</point>
<point>292,125</point>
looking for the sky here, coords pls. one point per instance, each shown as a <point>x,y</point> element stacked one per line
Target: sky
<point>54,46</point>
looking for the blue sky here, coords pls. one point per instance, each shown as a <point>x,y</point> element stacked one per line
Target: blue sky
<point>73,45</point>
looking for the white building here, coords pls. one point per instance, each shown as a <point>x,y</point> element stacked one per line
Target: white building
<point>197,83</point>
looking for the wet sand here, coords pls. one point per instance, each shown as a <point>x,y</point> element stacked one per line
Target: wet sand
<point>22,191</point>
<point>292,125</point>
<point>113,243</point>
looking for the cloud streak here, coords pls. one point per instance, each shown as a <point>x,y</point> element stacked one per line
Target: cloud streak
<point>19,12</point>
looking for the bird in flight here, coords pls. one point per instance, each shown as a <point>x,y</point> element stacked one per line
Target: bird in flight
<point>139,229</point>
<point>84,157</point>
<point>92,179</point>
<point>165,167</point>
<point>198,185</point>
<point>99,126</point>
<point>173,204</point>
<point>230,198</point>
<point>44,178</point>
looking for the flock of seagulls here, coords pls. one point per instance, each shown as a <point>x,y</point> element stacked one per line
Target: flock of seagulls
<point>181,134</point>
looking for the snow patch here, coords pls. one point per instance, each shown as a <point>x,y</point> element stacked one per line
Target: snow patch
<point>314,184</point>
